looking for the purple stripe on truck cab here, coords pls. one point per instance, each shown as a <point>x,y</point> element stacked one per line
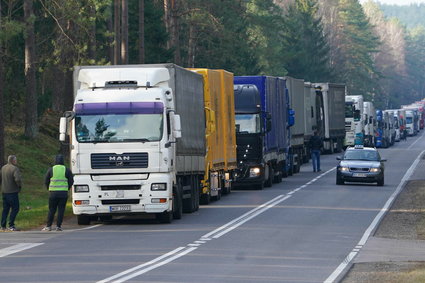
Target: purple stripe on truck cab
<point>119,108</point>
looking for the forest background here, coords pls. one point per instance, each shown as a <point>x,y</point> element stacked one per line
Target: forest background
<point>378,51</point>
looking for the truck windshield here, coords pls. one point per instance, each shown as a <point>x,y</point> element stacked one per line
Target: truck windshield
<point>409,120</point>
<point>119,128</point>
<point>248,123</point>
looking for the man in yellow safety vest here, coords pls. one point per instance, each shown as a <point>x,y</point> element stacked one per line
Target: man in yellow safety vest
<point>58,181</point>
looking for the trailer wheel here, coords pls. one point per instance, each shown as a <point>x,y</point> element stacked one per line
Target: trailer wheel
<point>83,219</point>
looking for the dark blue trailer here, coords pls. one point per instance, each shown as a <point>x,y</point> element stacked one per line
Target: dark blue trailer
<point>263,119</point>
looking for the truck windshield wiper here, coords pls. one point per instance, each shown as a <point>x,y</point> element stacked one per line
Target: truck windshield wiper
<point>136,140</point>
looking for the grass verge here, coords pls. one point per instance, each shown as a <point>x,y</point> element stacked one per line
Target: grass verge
<point>34,158</point>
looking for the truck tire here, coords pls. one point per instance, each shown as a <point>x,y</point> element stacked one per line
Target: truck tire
<point>165,217</point>
<point>205,198</point>
<point>278,178</point>
<point>177,211</point>
<point>259,186</point>
<point>269,181</point>
<point>83,219</point>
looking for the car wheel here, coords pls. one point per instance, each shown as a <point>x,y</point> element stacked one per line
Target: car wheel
<point>381,182</point>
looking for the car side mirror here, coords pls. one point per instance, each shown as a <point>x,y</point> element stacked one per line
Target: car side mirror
<point>338,158</point>
<point>383,160</point>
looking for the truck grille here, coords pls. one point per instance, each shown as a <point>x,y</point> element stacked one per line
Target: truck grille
<point>117,161</point>
<point>124,188</point>
<point>121,201</point>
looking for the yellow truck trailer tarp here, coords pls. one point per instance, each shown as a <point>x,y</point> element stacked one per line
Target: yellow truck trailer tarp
<point>220,119</point>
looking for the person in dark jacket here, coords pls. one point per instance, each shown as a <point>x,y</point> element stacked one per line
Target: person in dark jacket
<point>316,144</point>
<point>58,181</point>
<point>11,184</point>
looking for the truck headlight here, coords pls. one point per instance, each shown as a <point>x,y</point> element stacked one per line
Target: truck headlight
<point>81,188</point>
<point>254,172</point>
<point>159,187</point>
<point>375,170</point>
<point>344,169</point>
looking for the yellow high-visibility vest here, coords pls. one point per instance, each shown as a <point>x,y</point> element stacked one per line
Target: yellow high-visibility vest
<point>58,182</point>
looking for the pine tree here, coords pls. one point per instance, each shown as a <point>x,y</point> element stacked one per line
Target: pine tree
<point>305,48</point>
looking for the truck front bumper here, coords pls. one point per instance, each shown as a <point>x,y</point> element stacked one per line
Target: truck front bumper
<point>109,195</point>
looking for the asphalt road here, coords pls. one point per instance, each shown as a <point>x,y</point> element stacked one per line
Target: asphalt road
<point>301,230</point>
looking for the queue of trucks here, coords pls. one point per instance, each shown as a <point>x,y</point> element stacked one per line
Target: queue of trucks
<point>159,139</point>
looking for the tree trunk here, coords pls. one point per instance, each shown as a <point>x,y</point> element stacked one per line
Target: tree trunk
<point>124,32</point>
<point>110,25</point>
<point>175,37</point>
<point>31,124</point>
<point>141,31</point>
<point>92,31</point>
<point>2,146</point>
<point>58,86</point>
<point>117,32</point>
<point>191,47</point>
<point>167,19</point>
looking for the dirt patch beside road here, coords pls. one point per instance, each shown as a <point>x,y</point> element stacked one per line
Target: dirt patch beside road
<point>405,220</point>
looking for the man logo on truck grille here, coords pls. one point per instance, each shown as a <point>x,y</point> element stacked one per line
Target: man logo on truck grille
<point>119,160</point>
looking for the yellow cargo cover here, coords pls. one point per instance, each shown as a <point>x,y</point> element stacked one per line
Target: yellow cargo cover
<point>220,120</point>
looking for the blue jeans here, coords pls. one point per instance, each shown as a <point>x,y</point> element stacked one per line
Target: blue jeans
<point>315,159</point>
<point>10,202</point>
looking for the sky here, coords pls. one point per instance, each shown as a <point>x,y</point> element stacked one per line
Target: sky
<point>397,2</point>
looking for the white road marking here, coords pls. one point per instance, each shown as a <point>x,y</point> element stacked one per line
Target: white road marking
<point>416,140</point>
<point>17,248</point>
<point>374,223</point>
<point>215,234</point>
<point>142,265</point>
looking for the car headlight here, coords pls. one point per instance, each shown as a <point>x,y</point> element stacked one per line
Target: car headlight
<point>159,187</point>
<point>344,169</point>
<point>375,170</point>
<point>254,172</point>
<point>81,188</point>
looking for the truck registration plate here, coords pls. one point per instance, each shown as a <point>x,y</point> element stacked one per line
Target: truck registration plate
<point>119,208</point>
<point>360,175</point>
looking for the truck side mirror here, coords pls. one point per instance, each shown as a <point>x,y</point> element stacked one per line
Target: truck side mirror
<point>62,128</point>
<point>177,130</point>
<point>291,117</point>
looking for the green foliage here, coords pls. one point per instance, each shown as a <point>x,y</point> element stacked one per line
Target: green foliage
<point>357,44</point>
<point>304,46</point>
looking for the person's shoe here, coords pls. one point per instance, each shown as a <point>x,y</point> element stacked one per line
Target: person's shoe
<point>319,170</point>
<point>59,229</point>
<point>47,228</point>
<point>13,228</point>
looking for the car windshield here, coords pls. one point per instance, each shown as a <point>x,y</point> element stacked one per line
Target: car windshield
<point>119,128</point>
<point>248,123</point>
<point>356,154</point>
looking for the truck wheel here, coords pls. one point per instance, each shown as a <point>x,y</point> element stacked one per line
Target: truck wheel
<point>278,179</point>
<point>205,198</point>
<point>165,217</point>
<point>259,186</point>
<point>83,219</point>
<point>269,181</point>
<point>177,205</point>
